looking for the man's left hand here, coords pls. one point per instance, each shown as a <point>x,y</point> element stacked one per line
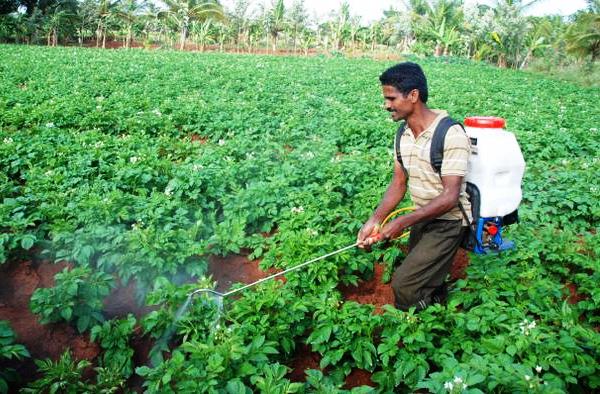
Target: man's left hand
<point>393,229</point>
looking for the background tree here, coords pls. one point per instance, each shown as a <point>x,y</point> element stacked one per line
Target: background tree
<point>129,11</point>
<point>339,25</point>
<point>583,36</point>
<point>298,17</point>
<point>183,12</point>
<point>276,22</point>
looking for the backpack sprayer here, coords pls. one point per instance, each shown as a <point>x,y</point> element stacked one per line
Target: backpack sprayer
<point>496,168</point>
<point>494,174</point>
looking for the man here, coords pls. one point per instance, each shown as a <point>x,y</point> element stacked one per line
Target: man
<point>437,224</point>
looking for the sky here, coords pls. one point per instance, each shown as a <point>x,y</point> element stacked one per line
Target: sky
<point>370,10</point>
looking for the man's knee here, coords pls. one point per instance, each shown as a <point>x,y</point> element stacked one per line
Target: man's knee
<point>405,294</point>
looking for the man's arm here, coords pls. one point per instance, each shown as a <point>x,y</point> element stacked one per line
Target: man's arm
<point>393,195</point>
<point>443,203</point>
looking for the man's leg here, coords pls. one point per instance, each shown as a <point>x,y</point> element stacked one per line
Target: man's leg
<point>423,271</point>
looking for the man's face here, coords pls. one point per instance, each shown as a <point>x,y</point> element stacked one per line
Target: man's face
<point>397,104</point>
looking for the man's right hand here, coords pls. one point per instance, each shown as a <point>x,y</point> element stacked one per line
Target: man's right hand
<point>366,234</point>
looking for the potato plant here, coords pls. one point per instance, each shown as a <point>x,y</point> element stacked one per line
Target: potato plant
<point>129,172</point>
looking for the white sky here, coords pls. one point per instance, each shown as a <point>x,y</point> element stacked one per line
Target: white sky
<point>371,10</point>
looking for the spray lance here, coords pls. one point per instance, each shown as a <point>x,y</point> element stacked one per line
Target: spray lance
<point>376,236</point>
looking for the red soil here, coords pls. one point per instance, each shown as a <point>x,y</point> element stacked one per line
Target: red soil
<point>200,139</point>
<point>17,283</point>
<point>459,265</point>
<point>122,301</point>
<point>302,360</point>
<point>373,292</point>
<point>357,378</point>
<point>234,269</point>
<point>18,280</point>
<point>573,297</point>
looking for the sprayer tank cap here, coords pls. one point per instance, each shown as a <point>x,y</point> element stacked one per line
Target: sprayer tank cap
<point>485,122</point>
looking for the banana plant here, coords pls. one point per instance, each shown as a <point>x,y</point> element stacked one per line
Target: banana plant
<point>183,12</point>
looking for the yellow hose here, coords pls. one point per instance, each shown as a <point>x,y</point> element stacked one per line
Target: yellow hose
<point>396,212</point>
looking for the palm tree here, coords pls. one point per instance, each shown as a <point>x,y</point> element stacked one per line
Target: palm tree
<point>276,21</point>
<point>53,22</point>
<point>583,36</point>
<point>183,12</point>
<point>201,33</point>
<point>239,22</point>
<point>338,26</point>
<point>298,18</point>
<point>437,21</point>
<point>129,12</point>
<point>106,11</point>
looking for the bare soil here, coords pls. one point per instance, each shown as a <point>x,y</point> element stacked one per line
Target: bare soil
<point>373,291</point>
<point>302,360</point>
<point>235,269</point>
<point>573,296</point>
<point>357,378</point>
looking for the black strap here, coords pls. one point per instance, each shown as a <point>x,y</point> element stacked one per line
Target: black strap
<point>399,134</point>
<point>437,142</point>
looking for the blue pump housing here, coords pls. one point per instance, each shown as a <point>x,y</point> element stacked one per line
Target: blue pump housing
<point>486,242</point>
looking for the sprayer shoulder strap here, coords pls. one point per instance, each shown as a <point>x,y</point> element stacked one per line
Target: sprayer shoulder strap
<point>436,152</point>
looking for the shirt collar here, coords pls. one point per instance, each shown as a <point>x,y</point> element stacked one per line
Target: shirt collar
<point>429,130</point>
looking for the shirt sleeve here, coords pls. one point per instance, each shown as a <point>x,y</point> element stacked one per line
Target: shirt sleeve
<point>457,149</point>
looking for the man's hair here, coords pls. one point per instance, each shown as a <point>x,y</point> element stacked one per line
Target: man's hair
<point>406,77</point>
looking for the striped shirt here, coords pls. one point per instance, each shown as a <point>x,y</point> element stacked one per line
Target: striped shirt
<point>424,183</point>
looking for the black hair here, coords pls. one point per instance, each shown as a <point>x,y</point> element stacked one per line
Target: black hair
<point>406,77</point>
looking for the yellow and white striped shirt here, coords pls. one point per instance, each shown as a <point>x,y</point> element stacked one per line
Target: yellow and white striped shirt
<point>424,183</point>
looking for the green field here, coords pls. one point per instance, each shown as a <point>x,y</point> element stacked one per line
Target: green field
<point>143,164</point>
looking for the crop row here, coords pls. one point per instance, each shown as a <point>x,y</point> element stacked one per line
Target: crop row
<point>143,164</point>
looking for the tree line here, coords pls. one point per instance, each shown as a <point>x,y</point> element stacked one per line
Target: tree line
<point>501,33</point>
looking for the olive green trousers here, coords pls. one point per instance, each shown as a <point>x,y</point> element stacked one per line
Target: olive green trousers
<point>419,280</point>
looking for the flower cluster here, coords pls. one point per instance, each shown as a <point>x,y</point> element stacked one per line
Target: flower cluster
<point>534,381</point>
<point>137,225</point>
<point>456,385</point>
<point>297,209</point>
<point>312,232</point>
<point>134,159</point>
<point>526,326</point>
<point>8,140</point>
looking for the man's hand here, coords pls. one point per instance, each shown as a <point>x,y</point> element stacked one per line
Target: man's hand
<point>394,229</point>
<point>367,234</point>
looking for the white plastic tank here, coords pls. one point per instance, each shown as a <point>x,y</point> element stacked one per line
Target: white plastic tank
<point>496,165</point>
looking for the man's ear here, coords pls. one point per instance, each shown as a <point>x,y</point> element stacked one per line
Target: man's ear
<point>414,95</point>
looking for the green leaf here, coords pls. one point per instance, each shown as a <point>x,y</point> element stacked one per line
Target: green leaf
<point>27,241</point>
<point>511,349</point>
<point>83,322</point>
<point>66,313</point>
<point>236,386</point>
